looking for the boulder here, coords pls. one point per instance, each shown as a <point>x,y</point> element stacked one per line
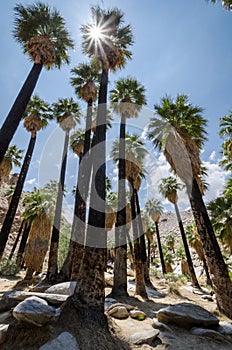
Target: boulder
<point>65,288</point>
<point>187,315</point>
<point>225,328</point>
<point>7,303</point>
<point>54,299</point>
<point>64,341</point>
<point>109,302</point>
<point>3,332</point>
<point>109,279</point>
<point>34,311</point>
<point>208,333</point>
<point>161,326</point>
<point>138,314</point>
<point>145,337</point>
<point>118,312</point>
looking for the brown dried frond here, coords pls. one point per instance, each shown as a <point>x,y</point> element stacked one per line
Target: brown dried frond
<point>137,183</point>
<point>66,122</point>
<point>41,50</point>
<point>128,109</point>
<point>33,123</point>
<point>89,91</point>
<point>172,196</point>
<point>5,169</point>
<point>110,218</point>
<point>79,148</point>
<point>38,241</point>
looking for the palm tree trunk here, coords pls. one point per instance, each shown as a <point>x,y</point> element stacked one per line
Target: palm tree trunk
<point>91,287</point>
<point>15,115</point>
<point>22,245</point>
<point>53,253</point>
<point>160,248</point>
<point>17,240</point>
<point>144,256</point>
<point>186,248</point>
<point>140,288</point>
<point>76,246</point>
<point>221,282</point>
<point>208,280</point>
<point>7,224</point>
<point>120,264</point>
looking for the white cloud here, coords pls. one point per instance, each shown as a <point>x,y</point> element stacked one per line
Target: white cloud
<point>216,179</point>
<point>212,156</point>
<point>31,181</point>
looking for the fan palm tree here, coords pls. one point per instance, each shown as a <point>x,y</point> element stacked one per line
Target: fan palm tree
<point>227,4</point>
<point>36,117</point>
<point>195,242</point>
<point>75,250</point>
<point>67,113</point>
<point>168,188</point>
<point>221,217</point>
<point>41,32</point>
<point>154,209</point>
<point>127,99</point>
<point>226,133</point>
<point>85,79</point>
<point>12,157</point>
<point>107,40</point>
<point>39,205</point>
<point>179,130</point>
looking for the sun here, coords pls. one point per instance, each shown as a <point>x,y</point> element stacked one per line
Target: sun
<point>96,32</point>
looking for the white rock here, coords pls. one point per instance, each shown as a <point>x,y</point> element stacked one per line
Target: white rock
<point>138,314</point>
<point>34,311</point>
<point>118,312</point>
<point>65,288</point>
<point>65,341</point>
<point>145,337</point>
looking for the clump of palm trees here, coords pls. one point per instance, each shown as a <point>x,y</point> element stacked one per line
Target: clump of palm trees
<point>178,129</point>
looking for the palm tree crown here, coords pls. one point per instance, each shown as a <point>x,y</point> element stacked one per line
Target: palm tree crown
<point>37,114</point>
<point>85,79</point>
<point>41,31</point>
<point>128,97</point>
<point>67,113</point>
<point>106,38</point>
<point>169,187</point>
<point>179,128</point>
<point>154,208</point>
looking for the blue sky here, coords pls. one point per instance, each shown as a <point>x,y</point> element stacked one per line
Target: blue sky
<point>180,47</point>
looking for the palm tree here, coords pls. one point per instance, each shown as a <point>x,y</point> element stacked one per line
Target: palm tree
<point>13,156</point>
<point>195,242</point>
<point>168,188</point>
<point>227,4</point>
<point>39,205</point>
<point>226,132</point>
<point>36,117</point>
<point>221,217</point>
<point>41,32</point>
<point>127,99</point>
<point>107,40</point>
<point>180,133</point>
<point>154,209</point>
<point>67,113</point>
<point>85,80</point>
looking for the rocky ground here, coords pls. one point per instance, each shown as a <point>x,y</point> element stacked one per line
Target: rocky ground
<point>161,322</point>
